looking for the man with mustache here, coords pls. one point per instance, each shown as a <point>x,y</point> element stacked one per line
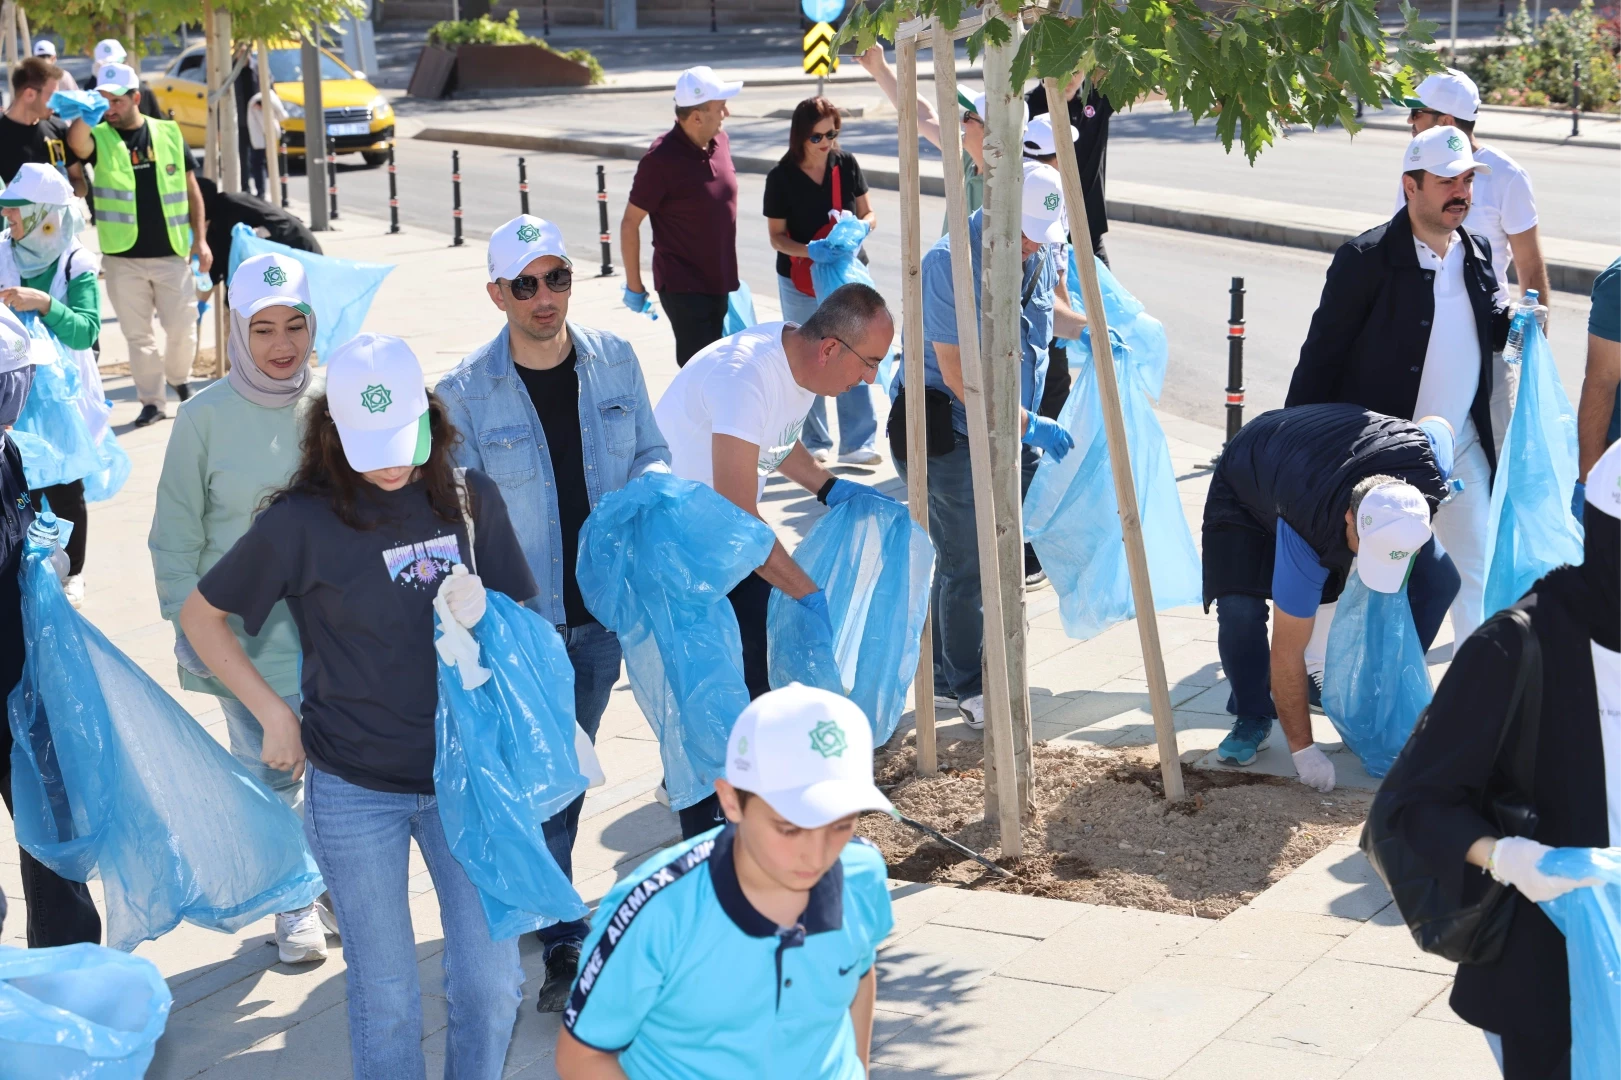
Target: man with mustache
<point>1410,316</point>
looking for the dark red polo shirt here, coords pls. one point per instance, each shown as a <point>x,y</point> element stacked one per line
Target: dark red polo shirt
<point>690,195</point>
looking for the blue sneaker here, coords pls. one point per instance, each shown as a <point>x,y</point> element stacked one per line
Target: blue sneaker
<point>1314,691</point>
<point>1250,735</point>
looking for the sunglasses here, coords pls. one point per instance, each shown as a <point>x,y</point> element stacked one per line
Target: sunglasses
<point>816,137</point>
<point>559,280</point>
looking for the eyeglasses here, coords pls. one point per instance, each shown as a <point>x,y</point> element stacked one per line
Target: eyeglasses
<point>816,137</point>
<point>558,280</point>
<point>872,364</point>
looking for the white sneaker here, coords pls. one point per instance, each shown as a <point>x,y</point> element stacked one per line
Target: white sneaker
<point>329,921</point>
<point>861,457</point>
<point>973,711</point>
<point>822,456</point>
<point>73,589</point>
<point>299,936</point>
<point>662,794</point>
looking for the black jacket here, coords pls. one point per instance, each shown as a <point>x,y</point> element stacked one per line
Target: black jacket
<point>1372,326</point>
<point>226,210</point>
<point>1527,990</point>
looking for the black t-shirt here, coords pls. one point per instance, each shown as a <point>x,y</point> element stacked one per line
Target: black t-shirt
<point>227,209</point>
<point>363,603</point>
<point>1091,119</point>
<point>804,204</point>
<point>555,393</point>
<point>152,236</point>
<point>44,142</point>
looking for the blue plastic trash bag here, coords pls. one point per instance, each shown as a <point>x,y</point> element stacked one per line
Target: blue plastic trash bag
<point>875,565</point>
<point>79,1012</point>
<point>340,289</point>
<point>1531,529</point>
<point>657,558</point>
<point>86,105</point>
<point>505,764</point>
<point>1070,515</point>
<point>51,433</point>
<point>1143,334</point>
<point>112,777</point>
<point>739,310</point>
<point>1590,919</point>
<point>833,257</point>
<point>1376,682</point>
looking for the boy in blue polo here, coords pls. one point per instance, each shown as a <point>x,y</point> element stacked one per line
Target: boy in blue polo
<point>747,951</point>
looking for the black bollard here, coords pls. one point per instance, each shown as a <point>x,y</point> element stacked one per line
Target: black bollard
<point>1575,98</point>
<point>332,185</point>
<point>393,193</point>
<point>523,187</point>
<point>456,197</point>
<point>1235,360</point>
<point>281,152</point>
<point>602,221</point>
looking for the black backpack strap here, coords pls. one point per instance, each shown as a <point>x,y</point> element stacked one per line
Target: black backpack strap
<point>1525,705</point>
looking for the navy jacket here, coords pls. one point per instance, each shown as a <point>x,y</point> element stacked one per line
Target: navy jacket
<point>1372,326</point>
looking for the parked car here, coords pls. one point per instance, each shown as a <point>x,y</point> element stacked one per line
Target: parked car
<point>358,118</point>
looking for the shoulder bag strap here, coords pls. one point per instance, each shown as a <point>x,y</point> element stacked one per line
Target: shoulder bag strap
<point>838,188</point>
<point>1526,704</point>
<point>467,517</point>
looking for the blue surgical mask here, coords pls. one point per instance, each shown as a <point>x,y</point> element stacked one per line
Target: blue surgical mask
<point>14,393</point>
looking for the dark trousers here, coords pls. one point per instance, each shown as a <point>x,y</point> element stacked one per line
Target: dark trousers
<point>60,912</point>
<point>1246,656</point>
<point>67,503</point>
<point>1531,1057</point>
<point>697,319</point>
<point>258,172</point>
<point>749,601</point>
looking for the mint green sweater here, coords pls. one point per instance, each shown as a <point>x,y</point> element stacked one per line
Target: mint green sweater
<point>225,454</point>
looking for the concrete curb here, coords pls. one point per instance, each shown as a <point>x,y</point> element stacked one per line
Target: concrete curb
<point>1190,216</point>
<point>1495,135</point>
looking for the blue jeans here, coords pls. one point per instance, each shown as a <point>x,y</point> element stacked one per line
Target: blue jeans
<point>362,843</point>
<point>858,416</point>
<point>959,630</point>
<point>248,744</point>
<point>1246,656</point>
<point>594,652</point>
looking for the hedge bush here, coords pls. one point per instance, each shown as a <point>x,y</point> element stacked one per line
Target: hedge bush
<point>487,31</point>
<point>1534,69</point>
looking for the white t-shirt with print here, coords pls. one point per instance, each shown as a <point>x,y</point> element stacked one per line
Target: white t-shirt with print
<point>1607,678</point>
<point>740,386</point>
<point>1502,206</point>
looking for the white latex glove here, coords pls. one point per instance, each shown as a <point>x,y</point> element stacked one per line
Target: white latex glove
<point>464,595</point>
<point>1514,862</point>
<point>456,645</point>
<point>1315,770</point>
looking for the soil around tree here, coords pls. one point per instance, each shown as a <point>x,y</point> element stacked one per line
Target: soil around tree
<point>1102,834</point>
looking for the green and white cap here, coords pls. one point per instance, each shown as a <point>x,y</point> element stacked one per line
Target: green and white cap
<point>270,280</point>
<point>808,753</point>
<point>117,79</point>
<point>37,183</point>
<point>1392,523</point>
<point>379,401</point>
<point>1441,150</point>
<point>520,242</point>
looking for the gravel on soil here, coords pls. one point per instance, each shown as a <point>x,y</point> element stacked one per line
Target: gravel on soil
<point>1102,834</point>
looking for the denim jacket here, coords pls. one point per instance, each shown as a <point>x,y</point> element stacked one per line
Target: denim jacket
<point>502,437</point>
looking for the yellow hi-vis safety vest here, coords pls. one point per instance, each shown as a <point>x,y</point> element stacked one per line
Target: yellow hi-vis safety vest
<point>114,187</point>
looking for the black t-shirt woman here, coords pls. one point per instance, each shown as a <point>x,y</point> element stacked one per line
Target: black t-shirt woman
<point>358,544</point>
<point>799,206</point>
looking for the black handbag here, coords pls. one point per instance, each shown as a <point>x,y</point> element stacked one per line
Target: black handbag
<point>1467,929</point>
<point>939,436</point>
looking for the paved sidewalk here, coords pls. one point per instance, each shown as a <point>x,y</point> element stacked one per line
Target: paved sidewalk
<point>1313,979</point>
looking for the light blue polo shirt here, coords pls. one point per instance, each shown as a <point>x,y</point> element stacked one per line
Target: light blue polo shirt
<point>685,980</point>
<point>940,317</point>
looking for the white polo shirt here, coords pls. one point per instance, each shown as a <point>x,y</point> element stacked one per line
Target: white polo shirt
<point>1502,206</point>
<point>1452,361</point>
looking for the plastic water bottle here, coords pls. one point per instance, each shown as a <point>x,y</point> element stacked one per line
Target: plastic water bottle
<point>45,534</point>
<point>1524,313</point>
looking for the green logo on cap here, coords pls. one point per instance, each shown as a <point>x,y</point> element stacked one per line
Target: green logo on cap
<point>743,745</point>
<point>1397,556</point>
<point>1455,144</point>
<point>827,739</point>
<point>1367,519</point>
<point>1051,201</point>
<point>275,277</point>
<point>528,233</point>
<point>376,398</point>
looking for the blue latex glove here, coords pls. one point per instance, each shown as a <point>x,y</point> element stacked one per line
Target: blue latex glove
<point>844,490</point>
<point>1578,500</point>
<point>1048,436</point>
<point>70,105</point>
<point>639,303</point>
<point>816,604</point>
<point>1441,443</point>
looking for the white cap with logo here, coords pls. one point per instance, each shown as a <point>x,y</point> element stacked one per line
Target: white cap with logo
<point>269,280</point>
<point>807,752</point>
<point>520,242</point>
<point>109,51</point>
<point>1392,523</point>
<point>37,184</point>
<point>976,105</point>
<point>1443,151</point>
<point>16,347</point>
<point>1038,136</point>
<point>117,79</point>
<point>379,402</point>
<point>1450,92</point>
<point>45,47</point>
<point>1604,482</point>
<point>1044,220</point>
<point>697,85</point>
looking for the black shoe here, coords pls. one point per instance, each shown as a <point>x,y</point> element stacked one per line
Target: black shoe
<point>1034,575</point>
<point>1314,690</point>
<point>183,391</point>
<point>560,968</point>
<point>150,414</point>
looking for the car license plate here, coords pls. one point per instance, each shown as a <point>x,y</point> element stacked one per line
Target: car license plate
<point>348,129</point>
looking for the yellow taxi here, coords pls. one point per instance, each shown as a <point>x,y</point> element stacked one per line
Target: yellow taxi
<point>358,118</point>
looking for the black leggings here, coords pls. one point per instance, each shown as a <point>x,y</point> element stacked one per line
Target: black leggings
<point>67,503</point>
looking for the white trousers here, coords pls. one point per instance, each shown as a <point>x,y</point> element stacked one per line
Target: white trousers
<point>140,289</point>
<point>1460,528</point>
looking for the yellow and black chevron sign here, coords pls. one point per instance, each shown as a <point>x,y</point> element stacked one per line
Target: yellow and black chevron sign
<point>819,56</point>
